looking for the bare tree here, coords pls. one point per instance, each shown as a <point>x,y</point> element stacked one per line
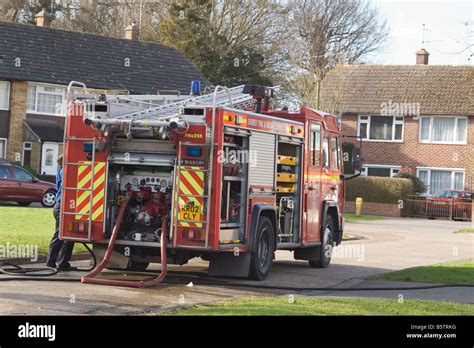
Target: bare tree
<point>11,10</point>
<point>326,33</point>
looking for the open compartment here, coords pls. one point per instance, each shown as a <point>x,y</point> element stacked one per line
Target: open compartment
<point>150,199</point>
<point>235,158</point>
<point>287,177</point>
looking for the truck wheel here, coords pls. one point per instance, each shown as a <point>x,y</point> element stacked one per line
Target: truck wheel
<point>138,266</point>
<point>327,237</point>
<point>262,257</point>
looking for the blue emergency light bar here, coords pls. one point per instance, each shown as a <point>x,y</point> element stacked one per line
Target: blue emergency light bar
<point>196,87</point>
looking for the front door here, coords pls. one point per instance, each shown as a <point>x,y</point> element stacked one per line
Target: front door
<point>49,159</point>
<point>312,187</point>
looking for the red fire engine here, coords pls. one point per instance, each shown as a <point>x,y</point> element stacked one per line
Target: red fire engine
<point>201,177</point>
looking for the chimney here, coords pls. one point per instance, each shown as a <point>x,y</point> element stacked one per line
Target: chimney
<point>132,32</point>
<point>422,57</point>
<point>43,19</point>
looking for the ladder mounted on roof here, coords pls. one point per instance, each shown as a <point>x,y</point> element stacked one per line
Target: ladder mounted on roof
<point>165,115</point>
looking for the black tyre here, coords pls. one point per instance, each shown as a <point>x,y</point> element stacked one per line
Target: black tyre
<point>24,204</point>
<point>262,257</point>
<point>327,240</point>
<point>138,266</point>
<point>49,198</point>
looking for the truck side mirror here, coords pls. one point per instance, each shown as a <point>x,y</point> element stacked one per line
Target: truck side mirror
<point>356,159</point>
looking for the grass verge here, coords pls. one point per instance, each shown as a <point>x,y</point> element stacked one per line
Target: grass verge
<point>269,306</point>
<point>29,226</point>
<point>354,217</point>
<point>465,230</point>
<point>456,272</point>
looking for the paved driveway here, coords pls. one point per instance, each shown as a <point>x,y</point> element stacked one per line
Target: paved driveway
<point>386,245</point>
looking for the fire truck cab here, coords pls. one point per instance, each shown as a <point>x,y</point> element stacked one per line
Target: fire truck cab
<point>219,176</point>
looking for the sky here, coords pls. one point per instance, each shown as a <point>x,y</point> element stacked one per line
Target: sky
<point>449,29</point>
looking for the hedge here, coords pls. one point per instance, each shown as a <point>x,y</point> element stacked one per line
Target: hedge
<point>379,189</point>
<point>418,185</point>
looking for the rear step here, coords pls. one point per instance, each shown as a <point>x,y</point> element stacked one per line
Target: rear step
<point>148,283</point>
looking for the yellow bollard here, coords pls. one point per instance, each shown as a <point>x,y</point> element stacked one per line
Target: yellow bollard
<point>359,202</point>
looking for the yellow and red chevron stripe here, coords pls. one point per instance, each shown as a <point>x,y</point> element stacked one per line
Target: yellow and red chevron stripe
<point>83,198</point>
<point>191,183</point>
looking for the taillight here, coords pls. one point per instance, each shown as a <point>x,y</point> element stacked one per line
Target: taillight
<point>76,227</point>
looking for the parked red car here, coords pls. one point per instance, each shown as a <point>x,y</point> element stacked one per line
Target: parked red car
<point>18,185</point>
<point>453,204</point>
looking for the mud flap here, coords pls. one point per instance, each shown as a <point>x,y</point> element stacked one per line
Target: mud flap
<point>229,265</point>
<point>117,260</point>
<point>309,254</point>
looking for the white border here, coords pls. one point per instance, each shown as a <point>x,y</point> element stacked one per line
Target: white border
<point>431,125</point>
<point>380,140</point>
<point>25,149</point>
<point>387,166</point>
<point>8,95</point>
<point>4,156</point>
<point>38,84</point>
<point>452,170</point>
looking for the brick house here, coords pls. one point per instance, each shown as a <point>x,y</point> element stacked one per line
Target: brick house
<point>415,118</point>
<point>36,65</point>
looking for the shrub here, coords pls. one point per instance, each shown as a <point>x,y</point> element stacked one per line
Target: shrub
<point>418,185</point>
<point>379,189</point>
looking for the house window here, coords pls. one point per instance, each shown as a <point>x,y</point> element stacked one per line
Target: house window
<point>380,170</point>
<point>3,148</point>
<point>441,179</point>
<point>49,155</point>
<point>443,130</point>
<point>46,99</point>
<point>381,128</point>
<point>4,95</point>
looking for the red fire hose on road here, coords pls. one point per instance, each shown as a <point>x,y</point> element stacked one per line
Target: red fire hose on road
<point>91,276</point>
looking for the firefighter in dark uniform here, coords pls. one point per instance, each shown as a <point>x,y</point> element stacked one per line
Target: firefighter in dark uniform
<point>60,251</point>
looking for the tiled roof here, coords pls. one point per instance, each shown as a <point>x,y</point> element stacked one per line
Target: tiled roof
<point>32,53</point>
<point>440,89</point>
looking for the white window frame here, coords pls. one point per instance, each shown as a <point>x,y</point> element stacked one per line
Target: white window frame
<point>453,175</point>
<point>4,155</point>
<point>368,122</point>
<point>8,95</point>
<point>40,89</point>
<point>392,168</point>
<point>431,128</point>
